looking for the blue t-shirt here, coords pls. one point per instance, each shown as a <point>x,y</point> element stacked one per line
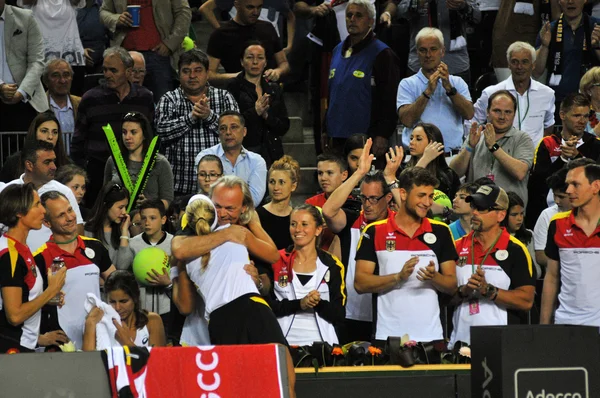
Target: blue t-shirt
<point>457,230</point>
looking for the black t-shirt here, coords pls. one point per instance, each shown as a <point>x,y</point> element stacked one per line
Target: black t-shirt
<point>228,42</point>
<point>277,227</point>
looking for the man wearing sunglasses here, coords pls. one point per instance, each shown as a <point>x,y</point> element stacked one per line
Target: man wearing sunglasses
<point>405,260</point>
<point>494,269</point>
<point>348,224</point>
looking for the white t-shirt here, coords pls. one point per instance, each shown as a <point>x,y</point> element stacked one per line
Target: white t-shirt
<point>57,20</point>
<point>37,238</point>
<point>224,278</point>
<point>540,231</point>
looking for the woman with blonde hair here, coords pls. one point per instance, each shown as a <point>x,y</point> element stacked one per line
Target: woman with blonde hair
<point>282,180</point>
<point>589,85</point>
<point>237,312</point>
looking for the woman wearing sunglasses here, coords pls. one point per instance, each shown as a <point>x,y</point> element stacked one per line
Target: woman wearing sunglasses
<point>110,222</point>
<point>137,133</point>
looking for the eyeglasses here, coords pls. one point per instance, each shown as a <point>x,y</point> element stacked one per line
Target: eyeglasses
<point>138,71</point>
<point>484,209</point>
<point>211,176</point>
<point>371,199</point>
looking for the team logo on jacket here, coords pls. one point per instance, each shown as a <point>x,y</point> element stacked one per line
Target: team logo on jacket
<point>390,244</point>
<point>462,261</point>
<point>282,280</point>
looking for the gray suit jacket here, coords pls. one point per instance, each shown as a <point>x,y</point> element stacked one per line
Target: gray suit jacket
<point>24,50</point>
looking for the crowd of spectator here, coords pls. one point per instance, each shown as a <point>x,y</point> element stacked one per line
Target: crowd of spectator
<point>473,200</point>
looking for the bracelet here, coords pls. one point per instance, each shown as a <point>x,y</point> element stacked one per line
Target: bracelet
<point>426,96</point>
<point>124,237</point>
<point>388,13</point>
<point>469,148</point>
<point>460,293</point>
<point>495,296</point>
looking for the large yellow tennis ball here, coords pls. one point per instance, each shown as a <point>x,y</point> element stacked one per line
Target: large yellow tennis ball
<point>151,258</point>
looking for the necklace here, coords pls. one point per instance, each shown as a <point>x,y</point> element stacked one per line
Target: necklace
<point>65,242</point>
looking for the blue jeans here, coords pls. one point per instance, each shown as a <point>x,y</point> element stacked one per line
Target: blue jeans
<point>159,74</point>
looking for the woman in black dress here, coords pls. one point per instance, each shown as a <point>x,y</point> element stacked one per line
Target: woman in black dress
<point>261,103</point>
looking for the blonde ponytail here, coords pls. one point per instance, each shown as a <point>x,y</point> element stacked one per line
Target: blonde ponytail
<point>200,216</point>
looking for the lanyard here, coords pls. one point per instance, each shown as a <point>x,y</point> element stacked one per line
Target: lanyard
<point>521,120</point>
<point>486,254</point>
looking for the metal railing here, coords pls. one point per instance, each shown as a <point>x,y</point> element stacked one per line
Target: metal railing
<point>12,142</point>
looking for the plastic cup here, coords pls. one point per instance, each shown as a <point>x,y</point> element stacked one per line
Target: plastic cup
<point>135,15</point>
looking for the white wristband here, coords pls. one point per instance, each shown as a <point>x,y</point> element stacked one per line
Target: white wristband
<point>124,237</point>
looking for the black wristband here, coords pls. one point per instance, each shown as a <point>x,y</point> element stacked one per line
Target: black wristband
<point>426,96</point>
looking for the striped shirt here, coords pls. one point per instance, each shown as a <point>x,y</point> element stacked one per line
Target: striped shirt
<point>182,138</point>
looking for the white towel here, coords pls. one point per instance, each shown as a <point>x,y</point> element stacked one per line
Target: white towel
<point>105,329</point>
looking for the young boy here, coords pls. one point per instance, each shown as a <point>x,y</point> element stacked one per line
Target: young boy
<point>332,171</point>
<point>153,219</point>
<point>462,209</point>
<point>556,182</point>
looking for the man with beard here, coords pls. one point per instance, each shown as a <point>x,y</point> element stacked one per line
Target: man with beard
<point>405,260</point>
<point>348,224</point>
<point>572,247</point>
<point>497,150</point>
<point>86,260</point>
<point>556,150</point>
<point>494,269</point>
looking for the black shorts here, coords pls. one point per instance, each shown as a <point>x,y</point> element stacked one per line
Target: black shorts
<point>246,320</point>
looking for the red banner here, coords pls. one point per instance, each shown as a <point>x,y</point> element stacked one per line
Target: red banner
<point>215,371</point>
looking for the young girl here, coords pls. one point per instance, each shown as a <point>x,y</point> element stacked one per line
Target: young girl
<point>282,180</point>
<point>138,327</point>
<point>427,151</point>
<point>137,135</point>
<point>44,127</point>
<point>109,224</point>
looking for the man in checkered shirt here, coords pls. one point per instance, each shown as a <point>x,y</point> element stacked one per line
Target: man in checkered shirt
<point>187,118</point>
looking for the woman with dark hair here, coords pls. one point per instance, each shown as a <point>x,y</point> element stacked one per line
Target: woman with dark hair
<point>109,224</point>
<point>76,179</point>
<point>209,170</point>
<point>137,135</point>
<point>427,151</point>
<point>138,327</point>
<point>515,225</point>
<point>20,279</point>
<point>261,103</point>
<point>44,127</point>
<point>353,149</point>
<point>309,289</point>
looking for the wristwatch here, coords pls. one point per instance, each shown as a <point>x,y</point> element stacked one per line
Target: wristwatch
<point>494,147</point>
<point>491,292</point>
<point>451,92</point>
<point>394,185</point>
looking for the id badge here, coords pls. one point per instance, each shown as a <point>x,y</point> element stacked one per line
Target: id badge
<point>491,176</point>
<point>473,307</point>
